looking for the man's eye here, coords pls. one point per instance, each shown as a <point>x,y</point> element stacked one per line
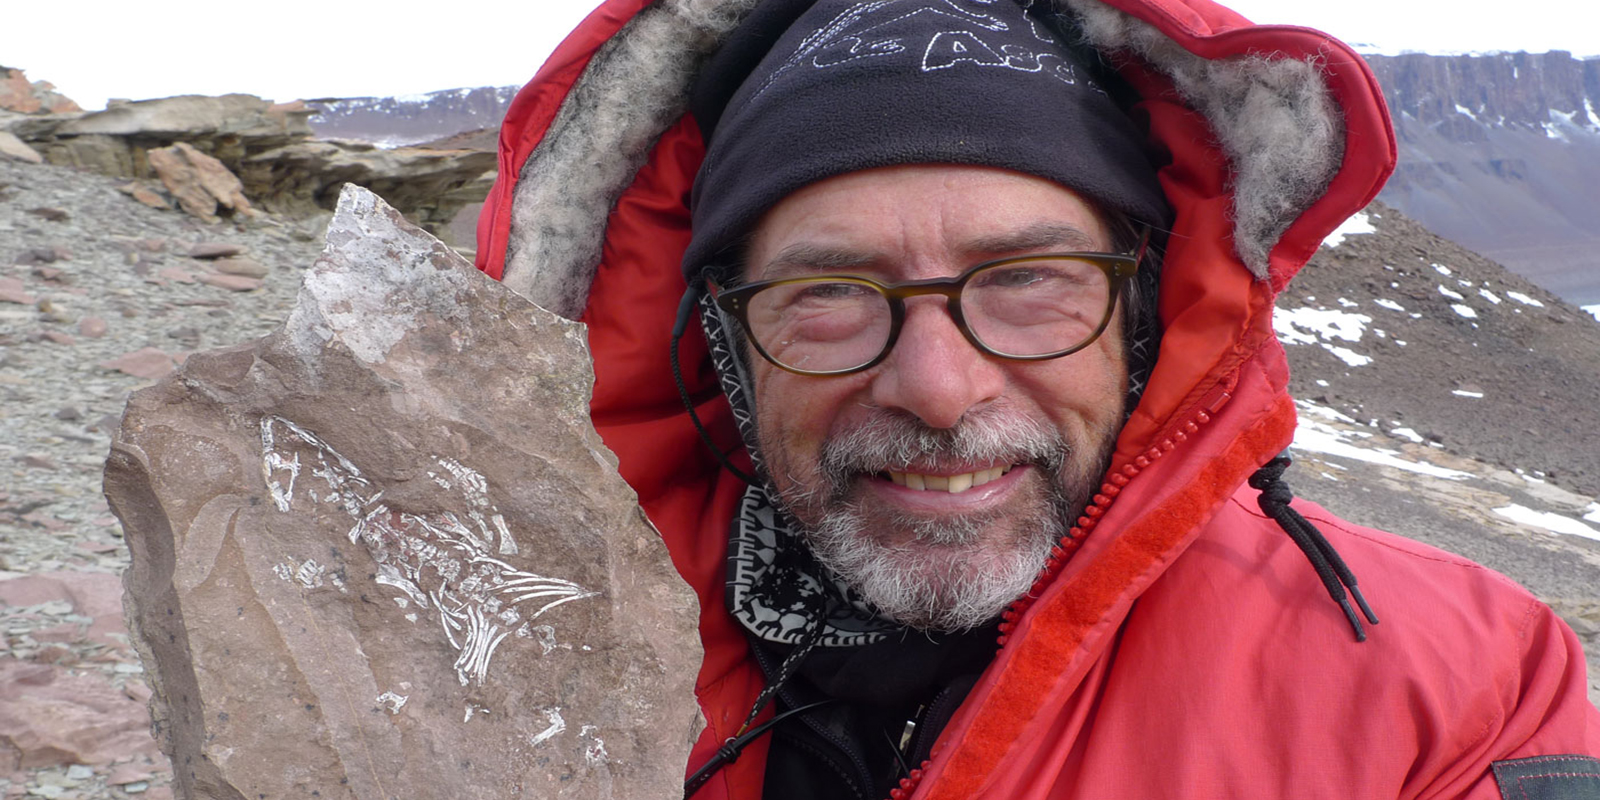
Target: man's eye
<point>1012,277</point>
<point>833,291</point>
<point>1063,274</point>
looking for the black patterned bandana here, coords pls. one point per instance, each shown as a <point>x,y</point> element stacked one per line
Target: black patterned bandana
<point>778,591</point>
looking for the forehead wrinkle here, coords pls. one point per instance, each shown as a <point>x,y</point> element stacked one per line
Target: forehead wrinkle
<point>811,257</point>
<point>1042,235</point>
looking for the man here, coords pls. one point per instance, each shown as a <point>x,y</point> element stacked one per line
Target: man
<point>985,530</point>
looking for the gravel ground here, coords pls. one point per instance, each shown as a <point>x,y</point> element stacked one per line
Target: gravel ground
<point>88,276</point>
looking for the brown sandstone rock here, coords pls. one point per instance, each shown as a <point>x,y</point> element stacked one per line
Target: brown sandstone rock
<point>383,553</point>
<point>18,94</point>
<point>144,195</point>
<point>51,716</point>
<point>93,327</point>
<point>210,250</point>
<point>12,147</point>
<point>233,283</point>
<point>244,266</point>
<point>199,182</point>
<point>146,362</point>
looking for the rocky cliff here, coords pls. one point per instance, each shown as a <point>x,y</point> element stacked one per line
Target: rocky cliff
<point>1502,154</point>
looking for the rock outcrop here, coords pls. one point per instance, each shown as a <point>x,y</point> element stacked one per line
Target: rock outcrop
<point>382,552</point>
<point>270,147</point>
<point>20,95</point>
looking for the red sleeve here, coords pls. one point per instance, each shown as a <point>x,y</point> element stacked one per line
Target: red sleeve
<point>1544,712</point>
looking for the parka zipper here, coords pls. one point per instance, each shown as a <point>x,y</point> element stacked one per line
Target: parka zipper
<point>1114,485</point>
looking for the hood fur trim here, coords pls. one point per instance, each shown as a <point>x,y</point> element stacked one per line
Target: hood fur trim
<point>1275,119</point>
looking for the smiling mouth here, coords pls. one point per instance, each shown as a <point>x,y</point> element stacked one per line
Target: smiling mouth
<point>953,484</point>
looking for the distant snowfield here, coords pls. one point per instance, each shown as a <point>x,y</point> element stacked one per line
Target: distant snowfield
<point>1593,310</point>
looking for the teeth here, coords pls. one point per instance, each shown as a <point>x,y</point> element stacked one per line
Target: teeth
<point>947,483</point>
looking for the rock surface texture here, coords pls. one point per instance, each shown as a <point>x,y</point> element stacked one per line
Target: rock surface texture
<point>382,552</point>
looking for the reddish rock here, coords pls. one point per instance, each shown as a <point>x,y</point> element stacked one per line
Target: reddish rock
<point>178,274</point>
<point>18,94</point>
<point>233,283</point>
<point>145,195</point>
<point>208,250</point>
<point>36,461</point>
<point>243,266</point>
<point>128,773</point>
<point>200,183</point>
<point>51,716</point>
<point>92,327</point>
<point>54,274</point>
<point>58,337</point>
<point>148,362</point>
<point>11,291</point>
<point>97,595</point>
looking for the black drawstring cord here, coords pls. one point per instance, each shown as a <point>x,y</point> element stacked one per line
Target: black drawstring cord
<point>691,298</point>
<point>730,750</point>
<point>1336,577</point>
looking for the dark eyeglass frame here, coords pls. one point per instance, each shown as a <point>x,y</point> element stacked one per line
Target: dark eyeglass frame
<point>1117,267</point>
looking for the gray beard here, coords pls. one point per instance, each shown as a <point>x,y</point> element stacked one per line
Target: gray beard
<point>949,578</point>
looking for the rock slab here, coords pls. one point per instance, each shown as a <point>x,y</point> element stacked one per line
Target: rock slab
<point>382,552</point>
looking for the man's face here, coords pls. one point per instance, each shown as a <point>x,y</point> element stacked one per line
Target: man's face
<point>1005,452</point>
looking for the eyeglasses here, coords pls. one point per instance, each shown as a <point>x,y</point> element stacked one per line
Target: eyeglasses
<point>1026,308</point>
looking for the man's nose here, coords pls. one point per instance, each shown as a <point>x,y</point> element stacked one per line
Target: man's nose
<point>933,371</point>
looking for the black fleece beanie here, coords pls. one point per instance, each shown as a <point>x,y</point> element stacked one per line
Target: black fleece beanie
<point>805,90</point>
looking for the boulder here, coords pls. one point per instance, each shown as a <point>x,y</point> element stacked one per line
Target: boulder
<point>14,148</point>
<point>201,184</point>
<point>53,716</point>
<point>36,97</point>
<point>382,552</point>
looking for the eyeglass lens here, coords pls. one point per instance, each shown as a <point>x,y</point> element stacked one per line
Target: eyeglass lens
<point>1026,308</point>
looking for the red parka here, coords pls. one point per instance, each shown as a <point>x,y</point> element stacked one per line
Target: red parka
<point>1180,646</point>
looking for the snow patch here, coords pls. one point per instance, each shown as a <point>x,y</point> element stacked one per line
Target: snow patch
<point>1465,311</point>
<point>1592,513</point>
<point>1465,393</point>
<point>1594,311</point>
<point>1524,299</point>
<point>1550,521</point>
<point>1488,295</point>
<point>1317,437</point>
<point>1443,270</point>
<point>1356,225</point>
<point>1390,304</point>
<point>1322,326</point>
<point>1450,293</point>
<point>1407,433</point>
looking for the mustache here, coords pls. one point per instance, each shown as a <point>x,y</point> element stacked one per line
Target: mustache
<point>895,440</point>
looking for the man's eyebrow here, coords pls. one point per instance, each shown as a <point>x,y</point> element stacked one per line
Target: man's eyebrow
<point>1037,236</point>
<point>807,257</point>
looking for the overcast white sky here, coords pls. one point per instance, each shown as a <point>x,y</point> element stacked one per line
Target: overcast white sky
<point>334,48</point>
